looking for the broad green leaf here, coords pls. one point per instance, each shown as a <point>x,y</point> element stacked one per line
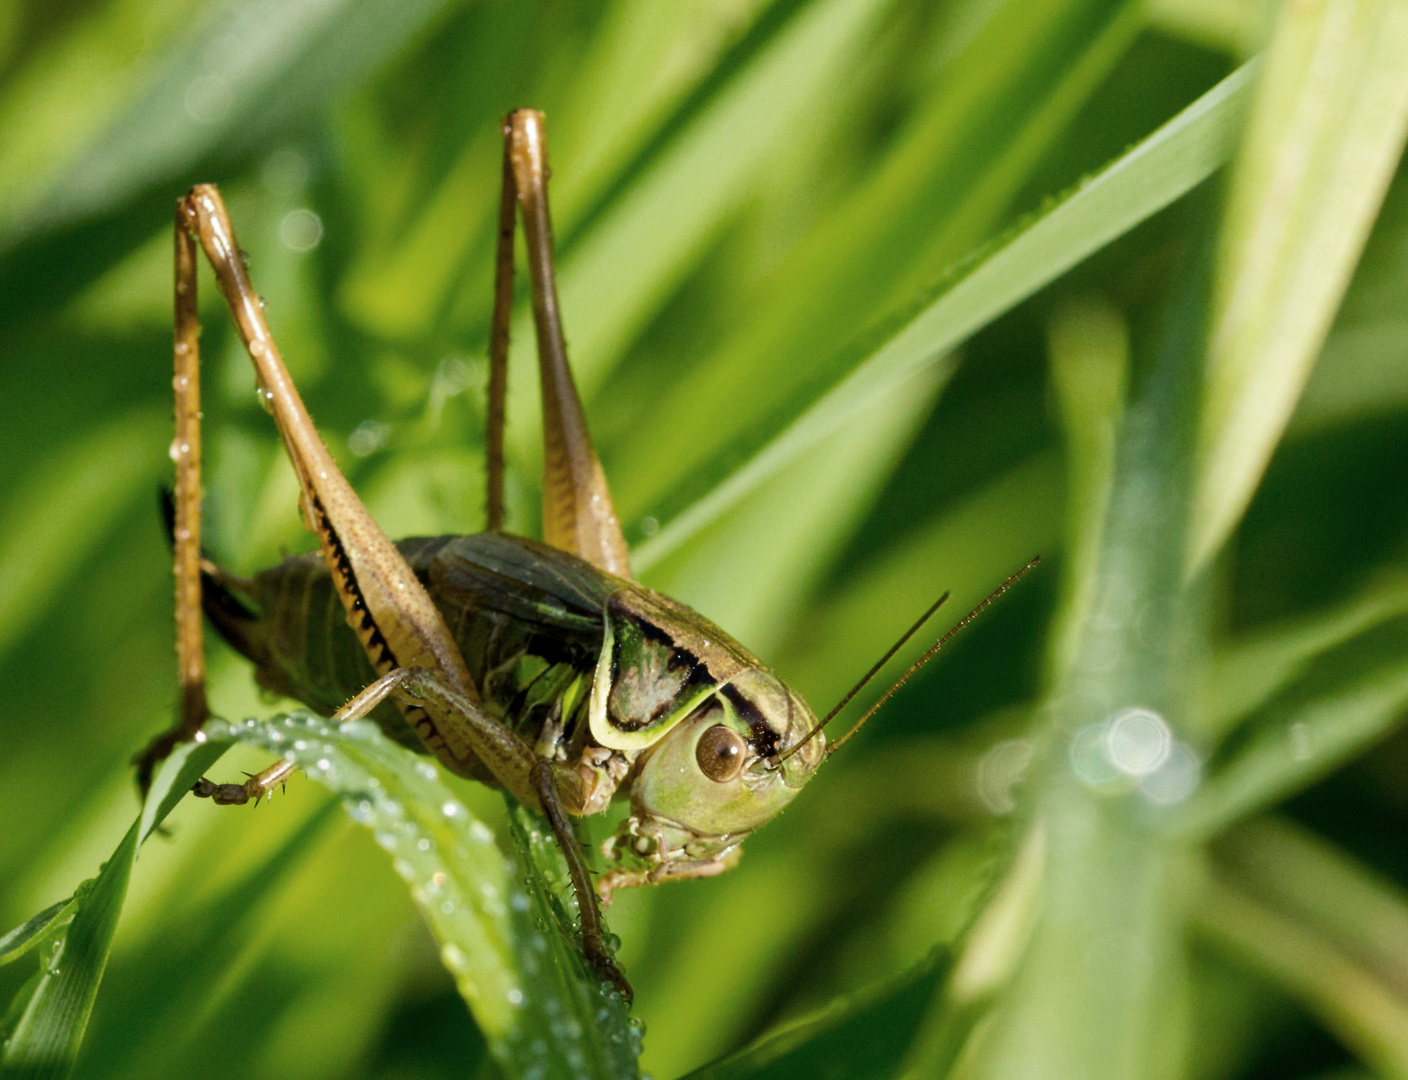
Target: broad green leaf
<point>49,1031</point>
<point>1166,165</point>
<point>541,1010</point>
<point>1326,130</point>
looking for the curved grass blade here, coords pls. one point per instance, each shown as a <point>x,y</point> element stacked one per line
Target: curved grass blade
<point>190,970</point>
<point>49,1029</point>
<point>946,184</point>
<point>513,959</point>
<point>32,931</point>
<point>1249,672</point>
<point>1166,165</point>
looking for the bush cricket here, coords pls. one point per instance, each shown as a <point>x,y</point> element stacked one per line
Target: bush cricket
<point>538,667</point>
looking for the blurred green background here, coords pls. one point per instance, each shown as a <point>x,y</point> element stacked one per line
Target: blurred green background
<point>750,198</point>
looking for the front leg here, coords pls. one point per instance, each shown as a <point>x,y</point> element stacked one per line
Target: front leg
<point>185,528</point>
<point>544,785</point>
<point>593,929</point>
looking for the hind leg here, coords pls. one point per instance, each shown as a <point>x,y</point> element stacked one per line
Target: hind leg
<point>578,515</point>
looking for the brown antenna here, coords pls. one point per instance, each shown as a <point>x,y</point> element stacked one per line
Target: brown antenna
<point>928,655</point>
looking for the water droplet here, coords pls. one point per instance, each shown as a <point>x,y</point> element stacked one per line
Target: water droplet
<point>301,230</point>
<point>386,839</point>
<point>454,957</point>
<point>1302,737</point>
<point>1175,780</point>
<point>452,809</point>
<point>480,832</point>
<point>1138,741</point>
<point>448,907</point>
<point>323,765</point>
<point>999,771</point>
<point>404,870</point>
<point>423,844</point>
<point>427,770</point>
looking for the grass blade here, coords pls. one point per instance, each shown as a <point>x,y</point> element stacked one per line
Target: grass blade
<point>1363,1009</point>
<point>65,509</point>
<point>32,931</point>
<point>49,1031</point>
<point>240,74</point>
<point>514,962</point>
<point>1326,129</point>
<point>864,1034</point>
<point>1166,165</point>
<point>1248,673</point>
<point>1296,745</point>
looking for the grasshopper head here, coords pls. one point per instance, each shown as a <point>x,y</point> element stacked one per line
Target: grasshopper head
<point>713,778</point>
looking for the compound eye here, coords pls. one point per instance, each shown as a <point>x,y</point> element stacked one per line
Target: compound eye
<point>720,753</point>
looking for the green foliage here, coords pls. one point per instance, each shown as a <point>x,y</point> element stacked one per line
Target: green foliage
<point>867,299</point>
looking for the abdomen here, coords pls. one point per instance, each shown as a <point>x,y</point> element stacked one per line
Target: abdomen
<point>527,619</point>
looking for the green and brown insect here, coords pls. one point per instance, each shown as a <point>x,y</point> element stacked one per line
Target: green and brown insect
<point>541,668</point>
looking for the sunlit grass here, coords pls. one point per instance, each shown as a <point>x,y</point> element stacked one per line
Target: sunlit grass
<point>868,299</point>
